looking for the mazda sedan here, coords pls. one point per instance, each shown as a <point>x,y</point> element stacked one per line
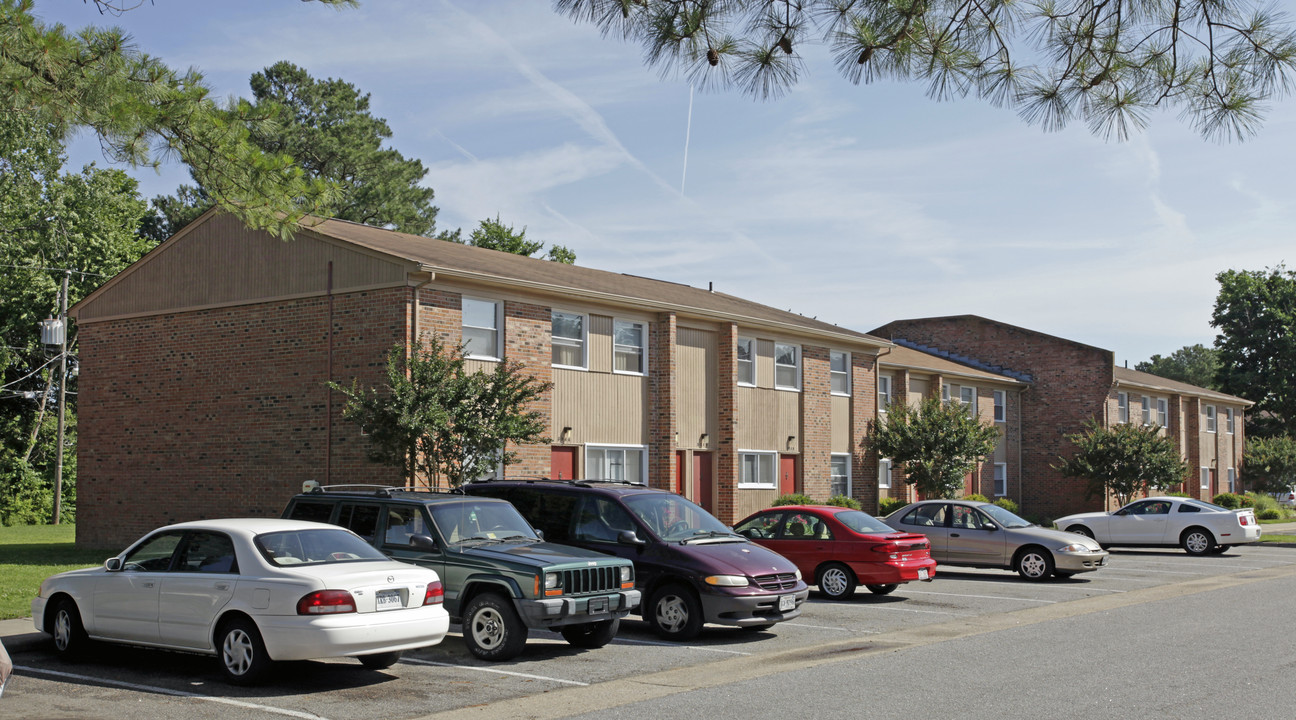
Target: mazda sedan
<point>841,548</point>
<point>1197,526</point>
<point>250,592</point>
<point>979,534</point>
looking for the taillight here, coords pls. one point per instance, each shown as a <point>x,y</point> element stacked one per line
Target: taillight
<point>1245,520</point>
<point>890,549</point>
<point>326,602</point>
<point>435,594</point>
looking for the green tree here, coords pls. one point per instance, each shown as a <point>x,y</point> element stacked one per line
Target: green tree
<point>141,110</point>
<point>1269,464</point>
<point>53,225</point>
<point>437,420</point>
<point>1123,460</point>
<point>1255,314</point>
<point>495,235</point>
<point>1193,364</point>
<point>936,443</point>
<point>1109,64</point>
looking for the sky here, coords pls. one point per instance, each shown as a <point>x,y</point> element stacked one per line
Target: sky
<point>857,205</point>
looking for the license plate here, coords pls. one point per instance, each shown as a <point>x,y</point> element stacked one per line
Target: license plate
<point>787,602</point>
<point>598,605</point>
<point>389,600</point>
<point>922,573</point>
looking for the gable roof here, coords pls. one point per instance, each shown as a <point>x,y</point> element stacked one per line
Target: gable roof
<point>1139,379</point>
<point>913,358</point>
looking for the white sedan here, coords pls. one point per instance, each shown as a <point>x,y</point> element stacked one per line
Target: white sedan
<point>1196,526</point>
<point>251,592</point>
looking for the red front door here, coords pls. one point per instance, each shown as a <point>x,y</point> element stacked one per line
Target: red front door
<point>787,474</point>
<point>702,480</point>
<point>562,463</point>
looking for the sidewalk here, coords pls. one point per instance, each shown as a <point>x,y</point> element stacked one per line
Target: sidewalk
<point>20,635</point>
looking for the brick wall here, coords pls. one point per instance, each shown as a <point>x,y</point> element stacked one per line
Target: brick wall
<point>816,421</point>
<point>527,335</point>
<point>726,477</point>
<point>864,461</point>
<point>662,402</point>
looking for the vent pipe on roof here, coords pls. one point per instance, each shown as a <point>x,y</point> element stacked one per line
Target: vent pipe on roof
<point>710,287</point>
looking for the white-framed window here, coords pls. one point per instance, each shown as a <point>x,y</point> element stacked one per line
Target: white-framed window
<point>1146,410</point>
<point>496,472</point>
<point>1232,480</point>
<point>884,473</point>
<point>884,392</point>
<point>616,462</point>
<point>839,479</point>
<point>1205,478</point>
<point>481,322</point>
<point>787,366</point>
<point>1001,479</point>
<point>1210,418</point>
<point>1000,406</point>
<point>757,469</point>
<point>1228,422</point>
<point>746,361</point>
<point>629,343</point>
<point>1163,412</point>
<point>967,398</point>
<point>1122,407</point>
<point>568,339</point>
<point>945,392</point>
<point>839,372</point>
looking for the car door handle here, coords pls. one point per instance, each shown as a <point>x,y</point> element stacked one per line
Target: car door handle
<point>222,586</point>
<point>954,534</point>
<point>147,584</point>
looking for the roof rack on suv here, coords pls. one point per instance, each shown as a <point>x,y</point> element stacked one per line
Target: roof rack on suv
<point>375,490</point>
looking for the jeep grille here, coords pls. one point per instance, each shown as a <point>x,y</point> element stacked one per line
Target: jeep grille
<point>781,581</point>
<point>591,580</point>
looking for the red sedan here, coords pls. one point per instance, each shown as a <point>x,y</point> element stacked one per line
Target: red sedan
<point>841,548</point>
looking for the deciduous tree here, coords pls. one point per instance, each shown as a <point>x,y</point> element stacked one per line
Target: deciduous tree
<point>1123,460</point>
<point>936,443</point>
<point>495,235</point>
<point>1255,314</point>
<point>1193,364</point>
<point>1269,464</point>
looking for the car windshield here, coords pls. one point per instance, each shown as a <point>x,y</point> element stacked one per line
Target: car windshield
<point>673,518</point>
<point>478,521</point>
<point>1004,517</point>
<point>315,547</point>
<point>862,522</point>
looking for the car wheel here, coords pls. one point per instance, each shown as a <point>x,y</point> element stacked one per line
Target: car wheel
<point>1034,563</point>
<point>674,613</point>
<point>836,581</point>
<point>591,634</point>
<point>491,628</point>
<point>1197,541</point>
<point>1081,530</point>
<point>380,661</point>
<point>882,589</point>
<point>243,657</point>
<point>1219,549</point>
<point>70,638</point>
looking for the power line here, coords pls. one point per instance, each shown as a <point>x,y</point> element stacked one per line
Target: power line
<point>56,269</point>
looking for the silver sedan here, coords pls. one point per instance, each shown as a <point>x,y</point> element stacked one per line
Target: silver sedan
<point>979,534</point>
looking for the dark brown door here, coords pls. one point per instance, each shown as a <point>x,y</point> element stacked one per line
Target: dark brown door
<point>702,490</point>
<point>679,472</point>
<point>562,463</point>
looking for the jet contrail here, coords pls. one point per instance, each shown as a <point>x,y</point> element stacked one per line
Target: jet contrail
<point>687,128</point>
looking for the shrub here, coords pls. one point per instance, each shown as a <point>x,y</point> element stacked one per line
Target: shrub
<point>1262,502</point>
<point>1244,501</point>
<point>1269,514</point>
<point>1225,499</point>
<point>1176,493</point>
<point>794,499</point>
<point>886,506</point>
<point>843,501</point>
<point>976,497</point>
<point>1007,504</point>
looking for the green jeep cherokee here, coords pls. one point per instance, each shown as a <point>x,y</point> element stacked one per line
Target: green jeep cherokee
<point>500,577</point>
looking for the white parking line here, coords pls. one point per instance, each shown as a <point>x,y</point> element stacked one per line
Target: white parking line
<point>813,627</point>
<point>168,691</point>
<point>618,641</point>
<point>1150,570</point>
<point>871,608</point>
<point>983,597</point>
<point>416,661</point>
<point>1085,588</point>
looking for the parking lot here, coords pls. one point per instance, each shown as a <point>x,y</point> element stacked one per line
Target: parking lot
<point>446,678</point>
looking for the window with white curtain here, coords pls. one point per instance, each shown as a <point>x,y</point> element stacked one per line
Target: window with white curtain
<point>884,473</point>
<point>839,372</point>
<point>568,339</point>
<point>839,480</point>
<point>481,329</point>
<point>787,366</point>
<point>757,469</point>
<point>620,463</point>
<point>884,392</point>
<point>628,347</point>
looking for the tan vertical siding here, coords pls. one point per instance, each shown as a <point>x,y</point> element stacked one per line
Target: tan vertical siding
<point>600,407</point>
<point>600,343</point>
<point>841,426</point>
<point>698,377</point>
<point>750,501</point>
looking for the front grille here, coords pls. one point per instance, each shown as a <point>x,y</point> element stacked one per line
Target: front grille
<point>591,580</point>
<point>781,581</point>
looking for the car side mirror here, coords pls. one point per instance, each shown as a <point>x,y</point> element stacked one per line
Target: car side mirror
<point>422,542</point>
<point>539,533</point>
<point>628,537</point>
<point>113,564</point>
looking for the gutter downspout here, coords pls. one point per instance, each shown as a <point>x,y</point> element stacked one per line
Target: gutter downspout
<point>413,338</point>
<point>328,397</point>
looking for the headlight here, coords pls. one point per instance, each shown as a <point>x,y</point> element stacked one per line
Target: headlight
<point>550,581</point>
<point>1076,547</point>
<point>625,573</point>
<point>798,573</point>
<point>727,580</point>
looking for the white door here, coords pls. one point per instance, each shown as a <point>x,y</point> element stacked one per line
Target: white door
<point>126,601</point>
<point>198,586</point>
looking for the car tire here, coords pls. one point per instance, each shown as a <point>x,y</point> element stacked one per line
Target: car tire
<point>1219,549</point>
<point>1197,541</point>
<point>491,628</point>
<point>882,589</point>
<point>592,634</point>
<point>242,654</point>
<point>70,639</point>
<point>380,661</point>
<point>836,581</point>
<point>1081,530</point>
<point>1033,563</point>
<point>674,613</point>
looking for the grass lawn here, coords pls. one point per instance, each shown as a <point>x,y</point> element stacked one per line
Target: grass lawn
<point>1278,538</point>
<point>31,553</point>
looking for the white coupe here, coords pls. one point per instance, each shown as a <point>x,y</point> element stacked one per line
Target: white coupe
<point>251,592</point>
<point>1196,526</point>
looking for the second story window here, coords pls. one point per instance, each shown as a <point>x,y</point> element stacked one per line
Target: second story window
<point>1122,407</point>
<point>1001,406</point>
<point>746,361</point>
<point>1228,422</point>
<point>568,340</point>
<point>481,329</point>
<point>1162,411</point>
<point>839,372</point>
<point>1147,410</point>
<point>967,396</point>
<point>1210,418</point>
<point>884,392</point>
<point>787,366</point>
<point>628,347</point>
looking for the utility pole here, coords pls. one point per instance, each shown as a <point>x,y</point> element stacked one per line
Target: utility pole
<point>62,400</point>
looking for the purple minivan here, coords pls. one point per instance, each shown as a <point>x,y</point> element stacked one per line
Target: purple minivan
<point>690,567</point>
